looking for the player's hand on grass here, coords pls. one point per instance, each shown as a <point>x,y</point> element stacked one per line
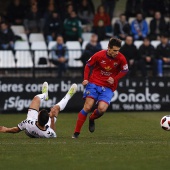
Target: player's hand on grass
<point>85,82</point>
<point>2,129</point>
<point>110,80</point>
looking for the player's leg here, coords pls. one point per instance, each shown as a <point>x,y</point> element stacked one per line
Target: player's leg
<point>82,115</point>
<point>35,103</point>
<point>90,94</point>
<point>104,99</point>
<point>97,113</point>
<point>62,104</point>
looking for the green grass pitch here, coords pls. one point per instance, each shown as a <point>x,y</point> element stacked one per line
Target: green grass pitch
<point>122,141</point>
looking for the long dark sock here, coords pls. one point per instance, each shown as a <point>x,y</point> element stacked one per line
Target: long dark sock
<point>95,115</point>
<point>82,115</point>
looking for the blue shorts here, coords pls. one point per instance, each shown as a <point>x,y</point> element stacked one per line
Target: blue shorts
<point>99,93</point>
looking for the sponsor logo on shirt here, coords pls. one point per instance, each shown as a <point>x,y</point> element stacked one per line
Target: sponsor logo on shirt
<point>125,67</point>
<point>108,68</point>
<point>105,73</point>
<point>115,64</point>
<point>87,92</point>
<point>103,62</point>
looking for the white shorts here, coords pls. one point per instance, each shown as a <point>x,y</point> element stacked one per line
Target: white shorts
<point>33,115</point>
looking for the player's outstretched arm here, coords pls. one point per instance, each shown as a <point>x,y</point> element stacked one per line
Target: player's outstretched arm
<point>4,129</point>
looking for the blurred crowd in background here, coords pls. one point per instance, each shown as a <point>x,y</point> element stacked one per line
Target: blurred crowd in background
<point>141,20</point>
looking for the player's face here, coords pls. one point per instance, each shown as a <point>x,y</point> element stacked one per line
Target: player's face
<point>113,52</point>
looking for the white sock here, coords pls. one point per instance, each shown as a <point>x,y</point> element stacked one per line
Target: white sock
<point>62,104</point>
<point>41,96</point>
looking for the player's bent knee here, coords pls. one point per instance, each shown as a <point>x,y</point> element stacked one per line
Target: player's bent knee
<point>101,110</point>
<point>87,108</point>
<point>36,99</point>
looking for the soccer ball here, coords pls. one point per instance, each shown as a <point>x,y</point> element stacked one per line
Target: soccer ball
<point>165,122</point>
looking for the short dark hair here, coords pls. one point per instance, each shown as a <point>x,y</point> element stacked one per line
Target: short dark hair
<point>43,117</point>
<point>114,42</point>
<point>98,8</point>
<point>122,14</point>
<point>139,12</point>
<point>147,38</point>
<point>165,35</point>
<point>4,22</point>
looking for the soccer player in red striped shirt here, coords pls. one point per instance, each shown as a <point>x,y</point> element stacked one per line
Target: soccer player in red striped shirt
<point>101,75</point>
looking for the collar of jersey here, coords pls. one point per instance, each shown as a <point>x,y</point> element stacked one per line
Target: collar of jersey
<point>39,128</point>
